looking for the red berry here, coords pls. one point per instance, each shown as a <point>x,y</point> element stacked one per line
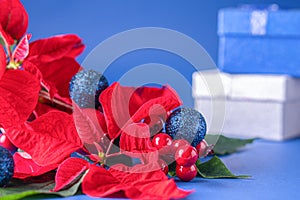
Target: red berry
<point>163,165</point>
<point>186,155</point>
<point>6,143</point>
<point>179,143</point>
<point>160,140</point>
<point>202,148</point>
<point>186,173</point>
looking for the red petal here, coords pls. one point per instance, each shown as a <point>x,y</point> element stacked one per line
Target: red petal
<point>19,91</point>
<point>55,48</point>
<point>142,95</point>
<point>166,189</point>
<point>101,183</point>
<point>69,171</point>
<point>98,182</point>
<point>50,87</point>
<point>101,121</point>
<point>2,61</point>
<point>7,39</point>
<point>58,74</point>
<point>25,167</point>
<point>42,108</point>
<point>162,102</point>
<point>150,183</point>
<point>140,172</point>
<point>87,125</point>
<point>32,68</point>
<point>125,105</point>
<point>13,18</point>
<point>115,101</point>
<point>22,49</point>
<point>49,139</point>
<point>136,138</point>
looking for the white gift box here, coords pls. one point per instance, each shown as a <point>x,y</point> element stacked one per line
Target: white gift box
<point>264,106</point>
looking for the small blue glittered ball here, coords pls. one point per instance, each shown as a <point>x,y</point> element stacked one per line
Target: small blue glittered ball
<point>86,87</point>
<point>188,124</point>
<point>6,166</point>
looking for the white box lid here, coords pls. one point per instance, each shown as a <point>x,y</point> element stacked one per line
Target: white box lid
<point>246,86</point>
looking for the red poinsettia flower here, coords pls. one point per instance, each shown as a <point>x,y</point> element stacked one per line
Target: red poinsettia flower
<point>25,69</point>
<point>51,60</point>
<point>124,110</point>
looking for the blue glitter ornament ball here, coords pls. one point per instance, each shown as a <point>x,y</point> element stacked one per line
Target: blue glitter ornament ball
<point>86,87</point>
<point>188,124</point>
<point>6,166</point>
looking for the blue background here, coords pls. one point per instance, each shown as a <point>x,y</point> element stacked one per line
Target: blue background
<point>96,20</point>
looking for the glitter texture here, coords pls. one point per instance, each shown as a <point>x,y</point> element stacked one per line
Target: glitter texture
<point>85,88</point>
<point>6,166</point>
<point>188,124</point>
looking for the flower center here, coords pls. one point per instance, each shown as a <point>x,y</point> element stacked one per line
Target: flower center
<point>13,65</point>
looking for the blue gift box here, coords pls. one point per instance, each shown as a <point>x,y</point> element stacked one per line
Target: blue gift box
<point>259,40</point>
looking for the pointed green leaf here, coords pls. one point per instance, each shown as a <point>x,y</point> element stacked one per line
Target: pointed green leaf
<point>215,168</point>
<point>19,190</point>
<point>225,145</point>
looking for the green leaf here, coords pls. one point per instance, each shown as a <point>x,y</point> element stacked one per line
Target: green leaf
<point>19,189</point>
<point>172,169</point>
<point>172,173</point>
<point>215,168</point>
<point>225,145</point>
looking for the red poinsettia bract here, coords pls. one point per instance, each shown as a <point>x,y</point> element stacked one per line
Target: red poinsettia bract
<point>19,94</point>
<point>13,19</point>
<point>124,109</point>
<point>117,182</point>
<point>125,105</point>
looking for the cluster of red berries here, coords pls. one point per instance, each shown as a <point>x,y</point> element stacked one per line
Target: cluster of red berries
<point>182,152</point>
